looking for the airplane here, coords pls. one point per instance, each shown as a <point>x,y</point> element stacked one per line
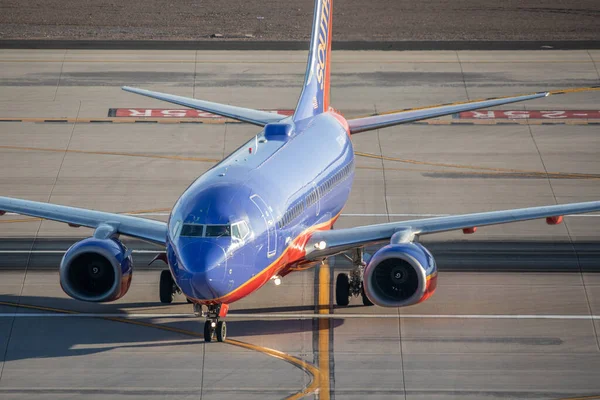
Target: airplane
<point>268,209</point>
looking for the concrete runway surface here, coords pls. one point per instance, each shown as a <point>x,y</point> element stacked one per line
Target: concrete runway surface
<point>517,310</point>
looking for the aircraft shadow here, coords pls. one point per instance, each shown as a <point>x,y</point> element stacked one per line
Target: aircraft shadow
<point>40,337</point>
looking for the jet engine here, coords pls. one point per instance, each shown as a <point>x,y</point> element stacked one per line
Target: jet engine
<point>400,275</point>
<point>96,270</point>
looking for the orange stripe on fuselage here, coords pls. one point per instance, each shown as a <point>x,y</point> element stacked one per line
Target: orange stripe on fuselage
<point>293,253</point>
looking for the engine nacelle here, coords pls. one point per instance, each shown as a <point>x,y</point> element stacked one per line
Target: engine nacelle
<point>400,275</point>
<point>96,270</point>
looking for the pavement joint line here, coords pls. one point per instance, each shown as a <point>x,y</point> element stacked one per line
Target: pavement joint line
<point>301,62</point>
<point>311,388</point>
<point>473,169</point>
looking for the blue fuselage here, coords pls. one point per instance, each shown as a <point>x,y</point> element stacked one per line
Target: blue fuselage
<point>241,222</point>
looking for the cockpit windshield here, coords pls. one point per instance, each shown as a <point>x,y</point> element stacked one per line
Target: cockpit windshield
<point>217,230</point>
<point>238,230</point>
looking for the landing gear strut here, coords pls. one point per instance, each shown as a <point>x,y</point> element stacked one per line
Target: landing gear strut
<point>213,327</point>
<point>347,285</point>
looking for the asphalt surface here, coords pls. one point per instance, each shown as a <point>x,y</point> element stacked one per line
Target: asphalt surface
<point>516,313</point>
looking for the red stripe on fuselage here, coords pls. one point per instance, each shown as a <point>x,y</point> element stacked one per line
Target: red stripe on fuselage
<point>293,253</point>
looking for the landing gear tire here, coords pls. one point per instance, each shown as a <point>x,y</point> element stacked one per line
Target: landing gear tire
<point>365,299</point>
<point>221,331</point>
<point>342,290</point>
<point>208,331</point>
<point>166,291</point>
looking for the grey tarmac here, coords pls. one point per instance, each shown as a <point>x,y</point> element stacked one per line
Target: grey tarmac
<point>413,353</point>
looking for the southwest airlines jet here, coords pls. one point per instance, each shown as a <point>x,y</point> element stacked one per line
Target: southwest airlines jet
<point>266,211</point>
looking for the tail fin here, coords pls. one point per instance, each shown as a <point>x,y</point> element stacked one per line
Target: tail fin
<point>315,93</point>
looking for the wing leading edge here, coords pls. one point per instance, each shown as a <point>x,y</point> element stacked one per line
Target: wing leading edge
<point>411,115</point>
<point>340,240</point>
<point>141,228</point>
<point>255,117</point>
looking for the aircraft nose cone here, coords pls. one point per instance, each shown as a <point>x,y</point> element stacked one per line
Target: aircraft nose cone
<point>206,264</point>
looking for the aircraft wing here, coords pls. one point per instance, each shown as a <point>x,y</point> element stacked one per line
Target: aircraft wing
<point>416,114</point>
<point>255,117</point>
<point>326,243</point>
<point>141,228</point>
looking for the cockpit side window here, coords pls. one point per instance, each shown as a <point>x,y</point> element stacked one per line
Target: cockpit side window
<point>176,228</point>
<point>240,230</point>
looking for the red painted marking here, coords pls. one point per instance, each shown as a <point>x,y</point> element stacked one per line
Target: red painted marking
<point>468,231</point>
<point>173,113</point>
<point>125,284</point>
<point>223,310</point>
<point>521,114</point>
<point>554,220</point>
<point>294,253</point>
<point>430,287</point>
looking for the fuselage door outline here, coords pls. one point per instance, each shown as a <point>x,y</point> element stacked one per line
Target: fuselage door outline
<point>269,221</point>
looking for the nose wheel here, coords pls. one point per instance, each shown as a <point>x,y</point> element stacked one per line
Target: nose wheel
<point>215,330</point>
<point>213,327</point>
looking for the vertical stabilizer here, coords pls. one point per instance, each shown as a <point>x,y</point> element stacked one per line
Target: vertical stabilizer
<point>315,92</point>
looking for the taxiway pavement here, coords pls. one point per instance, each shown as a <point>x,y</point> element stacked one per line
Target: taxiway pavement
<point>517,310</point>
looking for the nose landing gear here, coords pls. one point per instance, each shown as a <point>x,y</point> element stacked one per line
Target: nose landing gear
<point>213,327</point>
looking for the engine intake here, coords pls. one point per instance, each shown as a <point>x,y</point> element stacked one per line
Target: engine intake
<point>400,275</point>
<point>96,270</point>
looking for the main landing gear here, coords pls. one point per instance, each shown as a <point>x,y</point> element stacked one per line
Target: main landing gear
<point>167,287</point>
<point>347,285</point>
<point>213,327</point>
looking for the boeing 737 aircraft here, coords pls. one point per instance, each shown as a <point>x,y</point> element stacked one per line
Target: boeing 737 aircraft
<point>264,211</point>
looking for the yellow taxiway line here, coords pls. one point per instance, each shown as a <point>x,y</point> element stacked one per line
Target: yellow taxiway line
<point>323,332</point>
<point>311,370</point>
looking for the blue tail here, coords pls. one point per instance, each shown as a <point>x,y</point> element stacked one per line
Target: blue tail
<point>315,92</point>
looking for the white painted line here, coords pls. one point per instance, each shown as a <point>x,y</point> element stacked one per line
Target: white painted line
<point>51,314</point>
<point>63,251</point>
